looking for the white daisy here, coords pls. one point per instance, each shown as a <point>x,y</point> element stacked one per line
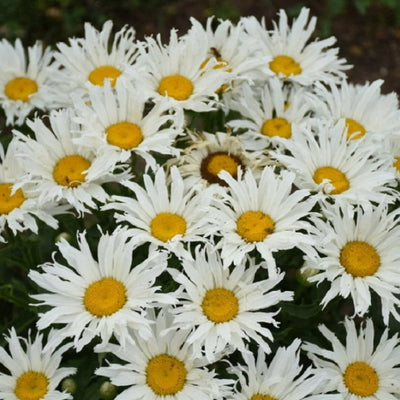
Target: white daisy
<point>293,58</point>
<point>226,308</point>
<point>173,72</point>
<point>34,368</point>
<point>62,171</point>
<point>99,297</point>
<point>394,151</point>
<point>114,121</point>
<point>94,59</point>
<point>27,80</point>
<point>18,208</point>
<point>262,214</point>
<point>163,367</point>
<point>267,113</point>
<point>207,154</point>
<point>282,378</point>
<point>363,368</point>
<point>329,165</point>
<point>366,110</point>
<point>231,46</point>
<point>165,212</point>
<point>356,254</point>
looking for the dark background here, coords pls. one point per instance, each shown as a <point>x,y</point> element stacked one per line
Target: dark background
<point>368,31</point>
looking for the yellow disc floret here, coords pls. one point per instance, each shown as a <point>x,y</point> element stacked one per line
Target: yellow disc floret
<point>354,129</point>
<point>69,171</point>
<point>177,86</point>
<point>31,385</point>
<point>164,226</point>
<point>100,74</point>
<point>254,226</point>
<point>361,379</point>
<point>165,374</point>
<point>285,65</point>
<point>336,177</point>
<point>396,164</point>
<point>104,297</point>
<point>10,201</point>
<point>220,305</point>
<point>125,135</point>
<point>359,258</point>
<point>20,89</point>
<point>219,161</point>
<point>277,127</point>
<point>259,396</point>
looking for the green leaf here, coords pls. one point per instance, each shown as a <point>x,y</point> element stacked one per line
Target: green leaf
<point>301,311</point>
<point>362,6</point>
<point>8,293</point>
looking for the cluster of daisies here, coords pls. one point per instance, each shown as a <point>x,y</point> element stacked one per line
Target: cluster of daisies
<point>214,152</point>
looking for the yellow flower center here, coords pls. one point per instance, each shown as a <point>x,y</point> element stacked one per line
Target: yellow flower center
<point>361,379</point>
<point>124,135</point>
<point>396,164</point>
<point>220,305</point>
<point>259,396</point>
<point>337,179</point>
<point>254,226</point>
<point>165,374</point>
<point>69,171</point>
<point>359,258</point>
<point>277,127</point>
<point>353,127</point>
<point>99,74</point>
<point>31,385</point>
<point>285,65</point>
<point>177,86</point>
<point>214,163</point>
<point>20,89</point>
<point>164,226</point>
<point>104,297</point>
<point>10,201</point>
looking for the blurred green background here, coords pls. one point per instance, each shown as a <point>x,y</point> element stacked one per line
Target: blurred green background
<point>55,20</point>
<point>367,31</point>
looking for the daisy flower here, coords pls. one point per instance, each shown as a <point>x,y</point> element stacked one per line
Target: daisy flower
<point>394,150</point>
<point>163,367</point>
<point>95,58</point>
<point>173,72</point>
<point>113,121</point>
<point>356,254</point>
<point>209,153</point>
<point>363,368</point>
<point>294,59</point>
<point>327,164</point>
<point>268,113</point>
<point>62,171</point>
<point>27,80</point>
<point>99,297</point>
<point>365,109</point>
<point>34,368</point>
<point>282,378</point>
<point>18,208</point>
<point>165,212</point>
<point>231,46</point>
<point>225,308</point>
<point>261,214</point>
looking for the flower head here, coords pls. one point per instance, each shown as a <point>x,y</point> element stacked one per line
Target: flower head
<point>34,368</point>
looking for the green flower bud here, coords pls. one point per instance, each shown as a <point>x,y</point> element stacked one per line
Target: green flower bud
<point>69,385</point>
<point>107,390</point>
